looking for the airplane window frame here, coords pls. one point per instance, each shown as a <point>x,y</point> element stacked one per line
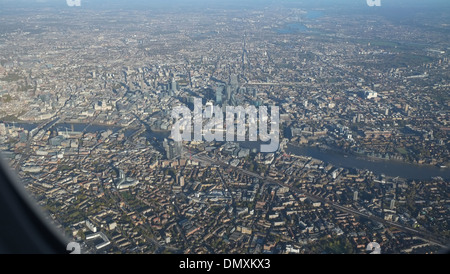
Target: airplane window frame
<point>23,225</point>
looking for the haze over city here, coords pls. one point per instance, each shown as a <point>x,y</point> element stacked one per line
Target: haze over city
<point>362,147</point>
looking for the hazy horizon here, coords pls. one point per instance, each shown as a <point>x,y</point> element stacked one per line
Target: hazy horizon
<point>229,3</point>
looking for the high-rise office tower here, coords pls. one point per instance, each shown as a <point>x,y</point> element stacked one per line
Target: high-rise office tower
<point>229,92</point>
<point>177,148</point>
<point>173,85</point>
<point>167,149</point>
<point>219,94</point>
<point>173,149</point>
<point>392,206</point>
<point>234,81</point>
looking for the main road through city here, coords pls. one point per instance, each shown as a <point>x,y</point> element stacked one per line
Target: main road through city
<point>422,234</point>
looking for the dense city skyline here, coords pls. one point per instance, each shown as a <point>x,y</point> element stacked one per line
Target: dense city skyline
<point>87,94</point>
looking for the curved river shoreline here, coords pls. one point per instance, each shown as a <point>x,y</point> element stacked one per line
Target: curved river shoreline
<point>390,168</point>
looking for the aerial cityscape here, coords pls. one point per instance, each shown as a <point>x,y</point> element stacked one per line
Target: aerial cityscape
<point>86,100</point>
